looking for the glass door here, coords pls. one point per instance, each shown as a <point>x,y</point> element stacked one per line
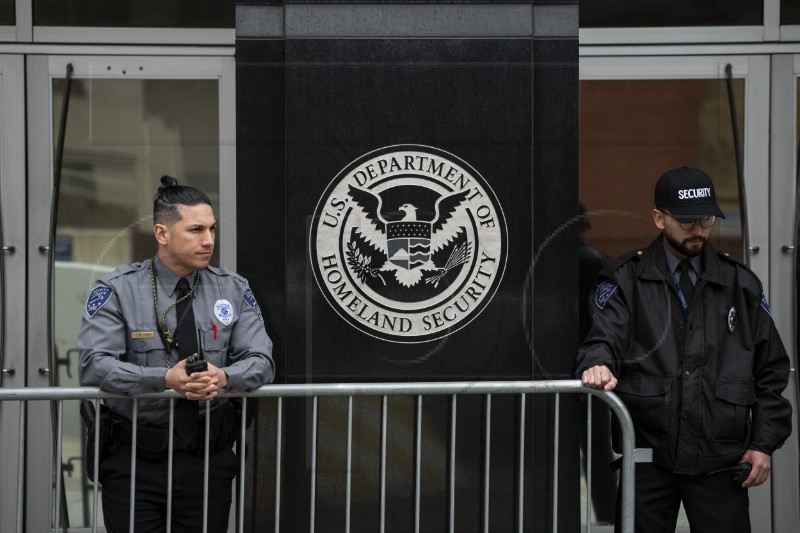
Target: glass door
<point>641,116</point>
<point>129,120</point>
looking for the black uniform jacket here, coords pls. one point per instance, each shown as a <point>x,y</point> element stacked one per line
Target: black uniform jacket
<point>702,388</point>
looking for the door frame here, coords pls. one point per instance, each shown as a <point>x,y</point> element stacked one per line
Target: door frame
<point>784,190</point>
<point>13,324</point>
<point>39,72</point>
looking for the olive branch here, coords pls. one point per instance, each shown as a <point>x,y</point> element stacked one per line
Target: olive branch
<point>359,263</point>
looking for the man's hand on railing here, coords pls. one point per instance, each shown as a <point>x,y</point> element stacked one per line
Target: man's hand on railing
<point>201,386</point>
<point>599,377</point>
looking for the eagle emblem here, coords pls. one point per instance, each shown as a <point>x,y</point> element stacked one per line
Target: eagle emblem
<point>407,244</point>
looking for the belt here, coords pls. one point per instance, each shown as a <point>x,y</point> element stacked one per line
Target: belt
<point>154,441</point>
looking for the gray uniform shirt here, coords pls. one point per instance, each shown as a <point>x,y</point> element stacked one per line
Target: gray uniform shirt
<point>121,350</point>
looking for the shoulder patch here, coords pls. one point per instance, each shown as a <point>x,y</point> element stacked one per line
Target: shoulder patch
<point>765,304</point>
<point>97,299</point>
<point>250,299</point>
<point>604,292</point>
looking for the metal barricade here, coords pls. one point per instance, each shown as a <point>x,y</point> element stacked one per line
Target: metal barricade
<point>349,391</point>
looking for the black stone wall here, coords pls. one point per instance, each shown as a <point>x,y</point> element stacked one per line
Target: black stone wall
<point>321,84</point>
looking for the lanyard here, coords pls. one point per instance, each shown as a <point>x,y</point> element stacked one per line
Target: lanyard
<point>684,303</point>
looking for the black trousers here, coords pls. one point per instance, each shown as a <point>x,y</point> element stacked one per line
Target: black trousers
<point>713,503</point>
<point>150,512</point>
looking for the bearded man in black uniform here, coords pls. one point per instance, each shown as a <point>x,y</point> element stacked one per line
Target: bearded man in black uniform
<point>683,334</point>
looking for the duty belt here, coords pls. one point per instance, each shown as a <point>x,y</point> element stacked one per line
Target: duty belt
<point>152,442</point>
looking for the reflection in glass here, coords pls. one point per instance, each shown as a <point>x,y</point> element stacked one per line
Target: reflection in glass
<point>631,132</point>
<point>664,13</point>
<point>121,136</point>
<point>135,13</point>
<point>8,14</point>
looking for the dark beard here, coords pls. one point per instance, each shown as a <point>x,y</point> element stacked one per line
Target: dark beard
<point>682,248</point>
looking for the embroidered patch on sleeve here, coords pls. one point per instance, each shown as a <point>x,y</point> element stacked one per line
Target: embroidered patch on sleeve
<point>604,292</point>
<point>97,299</point>
<point>765,304</point>
<point>251,301</point>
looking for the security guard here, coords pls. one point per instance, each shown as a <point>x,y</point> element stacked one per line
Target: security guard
<point>683,335</point>
<point>128,345</point>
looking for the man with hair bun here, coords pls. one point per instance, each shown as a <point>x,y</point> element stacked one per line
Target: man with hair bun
<point>141,324</point>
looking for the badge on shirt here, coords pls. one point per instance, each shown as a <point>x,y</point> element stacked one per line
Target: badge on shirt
<point>143,334</point>
<point>732,319</point>
<point>223,310</point>
<point>604,292</point>
<point>98,297</point>
<point>251,301</point>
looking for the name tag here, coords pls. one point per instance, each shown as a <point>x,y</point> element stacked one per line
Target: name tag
<point>143,334</point>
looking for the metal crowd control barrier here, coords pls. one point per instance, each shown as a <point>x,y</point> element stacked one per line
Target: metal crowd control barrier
<point>315,391</point>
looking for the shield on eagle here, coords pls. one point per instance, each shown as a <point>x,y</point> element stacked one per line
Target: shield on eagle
<point>408,243</point>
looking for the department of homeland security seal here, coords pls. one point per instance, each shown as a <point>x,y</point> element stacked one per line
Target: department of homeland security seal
<point>408,243</point>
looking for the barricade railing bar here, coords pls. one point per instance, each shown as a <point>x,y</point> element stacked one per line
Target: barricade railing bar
<point>346,390</point>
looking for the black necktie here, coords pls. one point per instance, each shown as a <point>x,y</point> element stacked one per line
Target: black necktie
<point>186,335</point>
<point>686,285</point>
<point>185,330</point>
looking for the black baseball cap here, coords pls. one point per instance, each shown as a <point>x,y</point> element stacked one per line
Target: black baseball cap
<point>688,193</point>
